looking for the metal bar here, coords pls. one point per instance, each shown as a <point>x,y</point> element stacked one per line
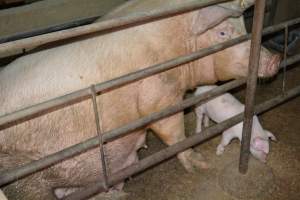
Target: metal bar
<point>91,143</point>
<point>179,147</point>
<point>37,110</point>
<point>120,22</point>
<point>84,146</point>
<point>286,35</point>
<point>100,136</point>
<point>251,83</point>
<point>290,61</point>
<point>272,12</point>
<point>53,28</point>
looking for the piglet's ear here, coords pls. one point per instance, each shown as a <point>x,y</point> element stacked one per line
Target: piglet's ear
<point>270,135</point>
<point>209,17</point>
<point>261,145</point>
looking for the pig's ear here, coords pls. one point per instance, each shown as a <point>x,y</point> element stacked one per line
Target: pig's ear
<point>209,17</point>
<point>270,135</point>
<point>261,144</point>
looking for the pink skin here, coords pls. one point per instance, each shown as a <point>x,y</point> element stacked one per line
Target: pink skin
<point>234,59</point>
<point>224,107</point>
<point>47,74</point>
<point>260,148</point>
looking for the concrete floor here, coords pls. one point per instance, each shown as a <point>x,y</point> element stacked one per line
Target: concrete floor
<point>170,181</point>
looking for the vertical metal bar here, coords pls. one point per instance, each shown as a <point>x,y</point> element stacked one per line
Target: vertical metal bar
<point>251,83</point>
<point>286,35</point>
<point>99,133</point>
<point>272,12</point>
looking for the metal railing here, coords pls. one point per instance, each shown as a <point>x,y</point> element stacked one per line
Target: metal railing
<point>90,92</point>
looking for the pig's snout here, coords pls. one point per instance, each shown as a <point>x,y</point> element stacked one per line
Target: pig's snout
<point>269,66</point>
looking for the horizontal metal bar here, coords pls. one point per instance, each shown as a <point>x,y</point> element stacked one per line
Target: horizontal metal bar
<point>106,25</point>
<point>84,146</point>
<point>168,152</point>
<point>31,112</point>
<point>50,29</point>
<point>290,61</point>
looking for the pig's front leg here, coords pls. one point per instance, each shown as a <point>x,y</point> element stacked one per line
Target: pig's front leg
<point>171,131</point>
<point>227,136</point>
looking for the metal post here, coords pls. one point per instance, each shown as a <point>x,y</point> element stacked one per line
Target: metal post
<point>286,35</point>
<point>95,188</point>
<point>69,152</point>
<point>52,159</point>
<point>37,110</point>
<point>251,83</point>
<point>100,137</point>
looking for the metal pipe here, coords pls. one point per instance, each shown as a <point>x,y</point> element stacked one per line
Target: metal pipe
<point>168,152</point>
<point>99,129</point>
<point>106,25</point>
<point>37,110</point>
<point>257,28</point>
<point>286,35</point>
<point>84,146</point>
<point>88,144</point>
<point>50,29</point>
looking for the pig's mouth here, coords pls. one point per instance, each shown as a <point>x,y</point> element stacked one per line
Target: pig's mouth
<point>269,69</point>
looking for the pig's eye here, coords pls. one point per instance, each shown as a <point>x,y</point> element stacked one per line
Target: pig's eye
<point>222,33</point>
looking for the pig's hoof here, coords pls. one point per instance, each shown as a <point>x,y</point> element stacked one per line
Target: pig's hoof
<point>111,195</point>
<point>60,193</point>
<point>220,150</point>
<point>192,160</point>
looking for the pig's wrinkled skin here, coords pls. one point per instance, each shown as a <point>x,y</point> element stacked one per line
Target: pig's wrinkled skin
<point>224,107</point>
<point>40,76</point>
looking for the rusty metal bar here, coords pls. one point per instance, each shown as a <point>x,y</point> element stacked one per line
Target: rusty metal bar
<point>179,147</point>
<point>37,110</point>
<point>104,26</point>
<point>259,11</point>
<point>100,136</point>
<point>84,146</point>
<point>286,35</point>
<point>50,29</point>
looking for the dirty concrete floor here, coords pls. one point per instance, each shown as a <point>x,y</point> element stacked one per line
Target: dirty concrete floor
<point>170,181</point>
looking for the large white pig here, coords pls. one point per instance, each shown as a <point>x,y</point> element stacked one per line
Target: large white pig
<point>224,107</point>
<point>40,76</point>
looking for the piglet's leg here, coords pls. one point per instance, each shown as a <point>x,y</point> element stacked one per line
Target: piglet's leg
<point>206,121</point>
<point>199,118</point>
<point>171,131</point>
<point>226,138</point>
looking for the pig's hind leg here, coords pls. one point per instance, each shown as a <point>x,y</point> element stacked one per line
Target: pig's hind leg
<point>35,186</point>
<point>227,136</point>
